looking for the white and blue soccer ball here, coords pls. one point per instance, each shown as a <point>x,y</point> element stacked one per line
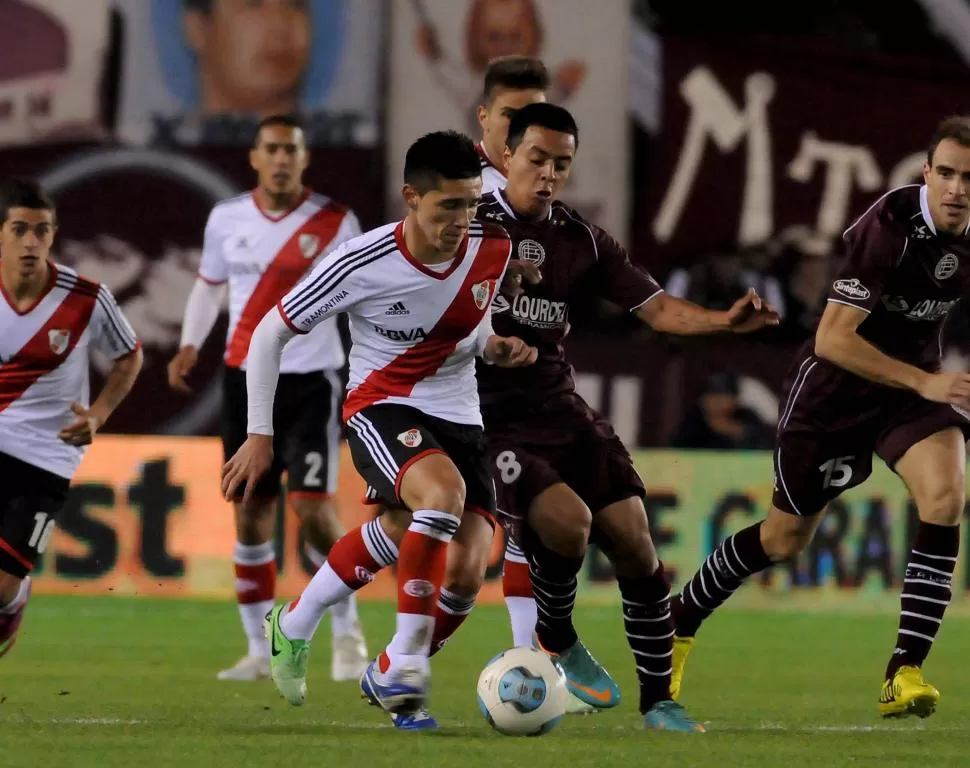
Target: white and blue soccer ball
<point>522,692</point>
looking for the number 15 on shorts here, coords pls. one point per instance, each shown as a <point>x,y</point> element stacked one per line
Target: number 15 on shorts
<point>837,473</point>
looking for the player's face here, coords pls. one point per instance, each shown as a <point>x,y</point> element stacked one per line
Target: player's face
<point>256,52</point>
<point>26,239</point>
<point>538,169</point>
<point>494,118</point>
<point>444,214</point>
<point>948,185</point>
<point>507,29</point>
<point>280,157</point>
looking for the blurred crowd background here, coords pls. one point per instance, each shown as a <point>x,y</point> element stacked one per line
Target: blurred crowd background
<point>727,145</point>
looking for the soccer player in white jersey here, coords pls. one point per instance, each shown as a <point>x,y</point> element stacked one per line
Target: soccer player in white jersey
<point>418,294</point>
<point>263,243</point>
<point>50,320</point>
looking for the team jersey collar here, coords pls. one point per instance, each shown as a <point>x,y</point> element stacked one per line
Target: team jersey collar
<point>503,200</point>
<point>277,216</point>
<point>51,279</point>
<point>402,246</point>
<point>924,208</point>
<point>482,153</point>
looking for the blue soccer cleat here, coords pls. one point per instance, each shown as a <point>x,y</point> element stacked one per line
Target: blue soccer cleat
<point>670,716</point>
<point>404,695</point>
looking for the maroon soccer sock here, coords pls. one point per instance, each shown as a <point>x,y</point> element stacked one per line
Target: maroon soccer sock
<point>650,633</point>
<point>732,561</point>
<point>926,593</point>
<point>554,587</point>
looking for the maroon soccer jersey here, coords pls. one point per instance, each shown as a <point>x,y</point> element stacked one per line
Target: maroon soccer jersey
<point>579,262</point>
<point>908,278</point>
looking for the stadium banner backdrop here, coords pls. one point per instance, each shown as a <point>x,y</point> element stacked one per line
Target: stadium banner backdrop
<point>53,60</point>
<point>133,219</point>
<point>439,51</point>
<point>204,73</point>
<point>145,517</point>
<point>773,134</point>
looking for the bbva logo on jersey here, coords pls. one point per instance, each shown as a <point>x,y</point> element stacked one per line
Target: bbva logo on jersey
<point>482,292</point>
<point>59,339</point>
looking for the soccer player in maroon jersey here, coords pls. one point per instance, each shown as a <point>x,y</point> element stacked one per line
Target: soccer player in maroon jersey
<point>50,319</point>
<point>561,472</point>
<point>870,383</point>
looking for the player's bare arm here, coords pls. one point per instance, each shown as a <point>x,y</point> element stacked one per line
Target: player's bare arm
<point>838,342</point>
<point>669,314</point>
<point>255,456</point>
<point>121,378</point>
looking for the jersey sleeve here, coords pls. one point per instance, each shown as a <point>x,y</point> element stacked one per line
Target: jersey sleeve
<point>213,267</point>
<point>871,248</point>
<point>110,330</point>
<point>620,281</point>
<point>329,289</point>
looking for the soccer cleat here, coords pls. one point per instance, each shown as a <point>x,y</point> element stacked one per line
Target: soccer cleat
<point>908,694</point>
<point>404,694</point>
<point>10,624</point>
<point>246,670</point>
<point>577,706</point>
<point>585,677</point>
<point>288,659</point>
<point>349,659</point>
<point>670,716</point>
<point>421,720</point>
<point>682,646</point>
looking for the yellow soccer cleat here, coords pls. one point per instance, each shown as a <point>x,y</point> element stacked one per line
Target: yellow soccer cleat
<point>906,694</point>
<point>682,646</point>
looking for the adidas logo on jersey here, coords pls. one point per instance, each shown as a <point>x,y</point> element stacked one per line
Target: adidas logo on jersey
<point>397,308</point>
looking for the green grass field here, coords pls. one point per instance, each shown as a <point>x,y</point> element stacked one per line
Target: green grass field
<point>126,682</point>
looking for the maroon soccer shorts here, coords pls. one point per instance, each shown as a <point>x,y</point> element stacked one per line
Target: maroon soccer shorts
<point>563,442</point>
<point>823,450</point>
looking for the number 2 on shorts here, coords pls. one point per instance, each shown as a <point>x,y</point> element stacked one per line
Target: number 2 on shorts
<point>508,466</point>
<point>837,472</point>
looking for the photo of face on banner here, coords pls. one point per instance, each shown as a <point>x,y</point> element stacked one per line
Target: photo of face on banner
<point>50,70</point>
<point>440,51</point>
<point>206,71</point>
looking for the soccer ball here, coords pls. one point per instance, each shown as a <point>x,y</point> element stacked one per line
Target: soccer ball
<point>522,692</point>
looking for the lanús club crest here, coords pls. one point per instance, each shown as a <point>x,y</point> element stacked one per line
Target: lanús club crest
<point>946,267</point>
<point>531,251</point>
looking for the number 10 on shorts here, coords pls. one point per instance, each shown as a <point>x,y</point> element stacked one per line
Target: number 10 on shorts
<point>836,472</point>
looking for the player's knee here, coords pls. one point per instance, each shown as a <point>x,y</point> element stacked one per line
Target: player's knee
<point>9,587</point>
<point>464,578</point>
<point>395,523</point>
<point>570,536</point>
<point>944,505</point>
<point>434,483</point>
<point>787,540</point>
<point>254,520</point>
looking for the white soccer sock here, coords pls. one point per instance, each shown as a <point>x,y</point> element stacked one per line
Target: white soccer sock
<point>19,599</point>
<point>523,616</point>
<point>325,589</point>
<point>315,556</point>
<point>255,582</point>
<point>343,617</point>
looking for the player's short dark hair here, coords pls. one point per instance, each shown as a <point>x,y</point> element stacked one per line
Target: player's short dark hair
<point>202,6</point>
<point>440,155</point>
<point>955,128</point>
<point>17,192</point>
<point>515,73</point>
<point>545,115</point>
<point>287,121</point>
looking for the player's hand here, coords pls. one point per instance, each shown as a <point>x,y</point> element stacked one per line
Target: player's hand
<point>249,463</point>
<point>82,431</point>
<point>518,272</point>
<point>750,313</point>
<point>509,352</point>
<point>949,388</point>
<point>181,366</point>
